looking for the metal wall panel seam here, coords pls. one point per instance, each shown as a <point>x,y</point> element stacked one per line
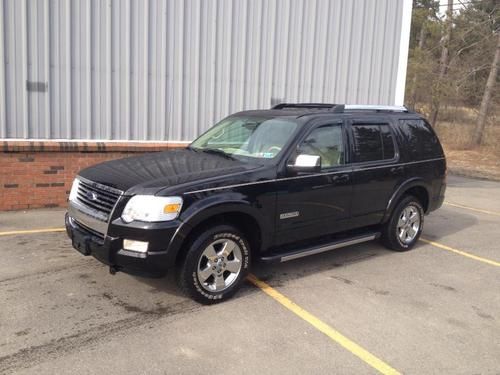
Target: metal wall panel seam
<point>359,54</point>
<point>21,67</point>
<point>394,56</point>
<point>3,103</point>
<point>403,48</point>
<point>385,26</point>
<point>45,50</point>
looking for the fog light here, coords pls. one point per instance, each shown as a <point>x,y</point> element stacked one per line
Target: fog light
<point>139,246</point>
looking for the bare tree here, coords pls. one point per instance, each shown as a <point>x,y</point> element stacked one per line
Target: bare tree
<point>420,47</point>
<point>488,90</point>
<point>443,62</point>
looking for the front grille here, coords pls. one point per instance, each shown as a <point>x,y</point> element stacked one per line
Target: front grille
<point>97,197</point>
<point>99,236</point>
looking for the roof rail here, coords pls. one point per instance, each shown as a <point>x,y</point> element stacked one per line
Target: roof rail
<point>305,106</point>
<point>340,108</point>
<point>389,108</point>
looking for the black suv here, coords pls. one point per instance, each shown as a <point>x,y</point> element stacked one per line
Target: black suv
<point>261,186</point>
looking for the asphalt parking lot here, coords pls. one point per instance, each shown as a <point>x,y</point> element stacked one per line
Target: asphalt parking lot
<point>355,310</point>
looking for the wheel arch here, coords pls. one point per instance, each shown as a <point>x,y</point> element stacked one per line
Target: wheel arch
<point>416,187</point>
<point>239,214</point>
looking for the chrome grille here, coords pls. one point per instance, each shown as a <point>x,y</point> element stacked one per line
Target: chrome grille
<point>87,229</point>
<point>97,197</point>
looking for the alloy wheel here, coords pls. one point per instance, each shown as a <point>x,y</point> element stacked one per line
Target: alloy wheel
<point>408,224</point>
<point>220,265</point>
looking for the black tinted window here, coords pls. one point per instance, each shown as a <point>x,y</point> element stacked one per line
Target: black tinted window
<point>387,142</point>
<point>372,142</point>
<point>421,142</point>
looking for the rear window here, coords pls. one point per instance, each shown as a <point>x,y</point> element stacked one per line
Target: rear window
<point>372,142</point>
<point>422,143</point>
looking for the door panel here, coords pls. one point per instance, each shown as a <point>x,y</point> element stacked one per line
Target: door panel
<point>376,172</point>
<point>310,207</point>
<point>316,204</point>
<point>372,189</point>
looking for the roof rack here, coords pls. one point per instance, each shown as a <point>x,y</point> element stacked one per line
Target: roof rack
<point>340,108</point>
<point>305,106</point>
<point>388,108</point>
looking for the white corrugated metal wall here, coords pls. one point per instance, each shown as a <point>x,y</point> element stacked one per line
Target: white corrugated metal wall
<point>167,70</point>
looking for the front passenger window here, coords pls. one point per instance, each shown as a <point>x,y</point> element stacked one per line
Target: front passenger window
<point>326,142</point>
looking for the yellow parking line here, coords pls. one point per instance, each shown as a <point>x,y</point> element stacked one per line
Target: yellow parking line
<point>473,209</point>
<point>47,230</point>
<point>336,336</point>
<point>463,253</point>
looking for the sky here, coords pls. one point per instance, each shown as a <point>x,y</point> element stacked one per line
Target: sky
<point>444,5</point>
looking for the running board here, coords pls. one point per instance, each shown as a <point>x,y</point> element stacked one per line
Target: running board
<point>296,254</point>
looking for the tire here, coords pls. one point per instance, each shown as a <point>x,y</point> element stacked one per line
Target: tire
<point>216,264</point>
<point>404,227</point>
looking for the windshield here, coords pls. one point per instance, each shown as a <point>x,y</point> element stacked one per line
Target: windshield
<point>247,137</point>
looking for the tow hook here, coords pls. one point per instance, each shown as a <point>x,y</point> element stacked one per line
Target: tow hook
<point>113,270</point>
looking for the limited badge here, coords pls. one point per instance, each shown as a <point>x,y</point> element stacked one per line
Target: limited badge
<point>288,215</point>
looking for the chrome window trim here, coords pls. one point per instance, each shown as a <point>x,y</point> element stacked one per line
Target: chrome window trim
<point>355,169</point>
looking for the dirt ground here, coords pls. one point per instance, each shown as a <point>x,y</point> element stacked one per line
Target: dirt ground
<point>479,163</point>
<point>455,130</point>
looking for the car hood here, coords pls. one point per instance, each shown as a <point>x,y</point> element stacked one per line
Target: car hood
<point>150,173</point>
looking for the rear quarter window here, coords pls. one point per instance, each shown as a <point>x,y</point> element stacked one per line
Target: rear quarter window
<point>421,141</point>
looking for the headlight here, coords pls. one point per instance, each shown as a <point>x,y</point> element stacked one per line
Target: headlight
<point>150,208</point>
<point>74,190</point>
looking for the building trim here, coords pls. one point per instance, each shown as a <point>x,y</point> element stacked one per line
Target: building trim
<point>44,145</point>
<point>87,140</point>
<point>404,45</point>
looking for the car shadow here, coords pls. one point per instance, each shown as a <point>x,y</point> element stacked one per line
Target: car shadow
<point>277,274</point>
<point>447,221</point>
<point>439,224</point>
<point>165,284</point>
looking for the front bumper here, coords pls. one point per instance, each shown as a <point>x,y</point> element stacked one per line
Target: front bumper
<point>108,249</point>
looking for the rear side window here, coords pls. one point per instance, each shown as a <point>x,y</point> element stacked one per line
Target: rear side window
<point>372,142</point>
<point>422,143</point>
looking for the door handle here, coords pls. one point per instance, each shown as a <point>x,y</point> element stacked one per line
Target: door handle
<point>341,178</point>
<point>395,170</point>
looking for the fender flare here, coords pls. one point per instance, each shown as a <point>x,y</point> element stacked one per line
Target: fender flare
<point>399,192</point>
<point>203,210</point>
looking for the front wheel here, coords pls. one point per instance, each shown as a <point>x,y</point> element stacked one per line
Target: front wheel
<point>404,227</point>
<point>215,265</point>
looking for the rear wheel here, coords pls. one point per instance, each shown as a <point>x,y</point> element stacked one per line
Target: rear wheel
<point>215,265</point>
<point>403,229</point>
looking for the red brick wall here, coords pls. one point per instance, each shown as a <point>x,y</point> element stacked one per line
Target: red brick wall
<point>39,174</point>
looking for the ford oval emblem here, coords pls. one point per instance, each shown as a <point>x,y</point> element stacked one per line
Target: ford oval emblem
<point>91,195</point>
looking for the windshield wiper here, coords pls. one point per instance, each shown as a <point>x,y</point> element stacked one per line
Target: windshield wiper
<point>217,151</point>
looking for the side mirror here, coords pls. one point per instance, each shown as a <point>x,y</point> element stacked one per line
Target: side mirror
<point>305,163</point>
